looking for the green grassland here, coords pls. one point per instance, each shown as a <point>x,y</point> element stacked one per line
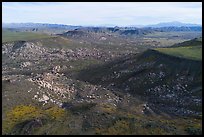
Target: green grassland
<point>194,53</point>
<point>175,35</point>
<point>171,38</point>
<point>189,49</point>
<point>8,36</point>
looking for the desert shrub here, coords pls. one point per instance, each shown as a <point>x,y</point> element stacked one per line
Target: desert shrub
<point>150,124</point>
<point>193,130</point>
<point>21,115</point>
<point>119,127</point>
<point>55,112</point>
<point>27,127</point>
<point>107,108</point>
<point>86,124</point>
<point>80,108</point>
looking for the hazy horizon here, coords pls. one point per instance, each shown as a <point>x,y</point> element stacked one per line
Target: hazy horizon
<point>139,25</point>
<point>102,13</point>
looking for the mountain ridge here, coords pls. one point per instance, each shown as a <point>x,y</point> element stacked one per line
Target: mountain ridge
<point>159,25</point>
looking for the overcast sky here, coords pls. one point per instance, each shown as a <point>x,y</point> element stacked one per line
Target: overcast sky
<point>100,13</point>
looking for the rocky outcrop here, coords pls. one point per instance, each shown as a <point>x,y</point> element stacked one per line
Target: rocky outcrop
<point>48,81</point>
<point>25,64</point>
<point>36,51</point>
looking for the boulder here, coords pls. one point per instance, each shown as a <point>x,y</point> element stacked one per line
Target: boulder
<point>45,97</point>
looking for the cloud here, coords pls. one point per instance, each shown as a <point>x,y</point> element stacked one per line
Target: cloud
<point>96,13</point>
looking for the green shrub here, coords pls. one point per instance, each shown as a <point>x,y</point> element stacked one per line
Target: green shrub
<point>193,131</point>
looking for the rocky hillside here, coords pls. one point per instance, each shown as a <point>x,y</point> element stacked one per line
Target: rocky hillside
<point>168,83</point>
<point>62,85</point>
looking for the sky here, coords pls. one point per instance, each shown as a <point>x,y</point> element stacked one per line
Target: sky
<point>101,13</point>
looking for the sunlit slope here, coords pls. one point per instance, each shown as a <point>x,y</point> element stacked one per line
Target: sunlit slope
<point>8,36</point>
<point>189,49</point>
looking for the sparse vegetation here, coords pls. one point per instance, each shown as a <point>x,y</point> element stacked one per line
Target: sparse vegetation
<point>22,113</point>
<point>9,36</point>
<point>104,81</point>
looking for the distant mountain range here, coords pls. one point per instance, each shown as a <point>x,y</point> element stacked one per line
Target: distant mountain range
<point>47,25</point>
<point>80,31</point>
<point>173,24</point>
<point>37,25</point>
